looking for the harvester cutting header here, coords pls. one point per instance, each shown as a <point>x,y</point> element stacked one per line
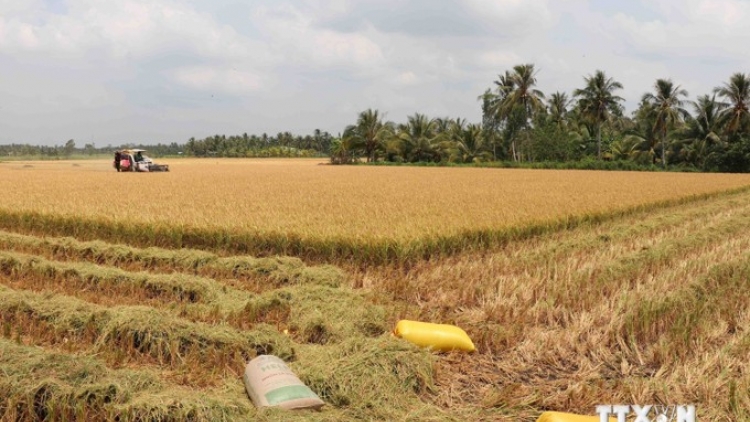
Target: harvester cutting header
<point>135,160</point>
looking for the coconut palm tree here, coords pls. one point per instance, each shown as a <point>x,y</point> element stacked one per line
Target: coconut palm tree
<point>626,148</point>
<point>490,122</point>
<point>557,107</point>
<point>342,151</point>
<point>446,124</point>
<point>523,93</point>
<point>642,133</point>
<point>598,102</point>
<point>701,137</point>
<point>503,86</point>
<point>735,117</point>
<point>516,101</point>
<point>369,133</point>
<point>469,144</point>
<point>669,110</point>
<point>418,138</point>
<point>492,102</point>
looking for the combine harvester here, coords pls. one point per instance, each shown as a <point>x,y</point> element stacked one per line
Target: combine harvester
<point>134,160</point>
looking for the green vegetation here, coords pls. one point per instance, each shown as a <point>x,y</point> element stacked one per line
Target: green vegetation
<point>281,145</point>
<point>521,126</point>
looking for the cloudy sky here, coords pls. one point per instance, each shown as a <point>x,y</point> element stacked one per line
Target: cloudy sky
<point>110,72</point>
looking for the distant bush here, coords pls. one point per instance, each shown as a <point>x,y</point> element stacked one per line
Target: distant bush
<point>585,164</point>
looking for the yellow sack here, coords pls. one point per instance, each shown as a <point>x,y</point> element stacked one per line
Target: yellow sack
<point>441,337</point>
<point>568,417</point>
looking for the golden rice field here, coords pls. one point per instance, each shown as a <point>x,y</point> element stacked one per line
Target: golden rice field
<point>140,297</point>
<point>302,207</point>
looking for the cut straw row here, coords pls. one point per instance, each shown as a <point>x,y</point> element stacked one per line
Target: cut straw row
<point>313,313</point>
<point>133,333</point>
<point>42,385</point>
<point>192,297</point>
<point>256,273</point>
<point>105,280</point>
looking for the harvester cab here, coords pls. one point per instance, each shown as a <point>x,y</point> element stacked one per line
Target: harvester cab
<point>136,160</point>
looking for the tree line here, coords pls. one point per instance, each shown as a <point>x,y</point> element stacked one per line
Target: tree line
<point>520,124</point>
<point>70,149</point>
<point>284,144</point>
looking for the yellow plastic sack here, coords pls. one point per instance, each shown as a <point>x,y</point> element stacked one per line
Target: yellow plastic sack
<point>568,417</point>
<point>441,337</point>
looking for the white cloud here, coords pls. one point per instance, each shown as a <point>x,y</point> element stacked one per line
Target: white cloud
<point>727,13</point>
<point>14,7</point>
<point>227,81</point>
<point>128,29</point>
<point>15,35</point>
<point>303,64</point>
<point>518,16</point>
<point>292,31</point>
<point>695,29</point>
<point>329,8</point>
<point>407,78</point>
<point>499,59</point>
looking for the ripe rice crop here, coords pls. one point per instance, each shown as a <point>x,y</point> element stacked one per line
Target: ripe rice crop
<point>301,208</point>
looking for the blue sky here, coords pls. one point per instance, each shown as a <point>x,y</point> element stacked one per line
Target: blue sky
<point>166,70</point>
